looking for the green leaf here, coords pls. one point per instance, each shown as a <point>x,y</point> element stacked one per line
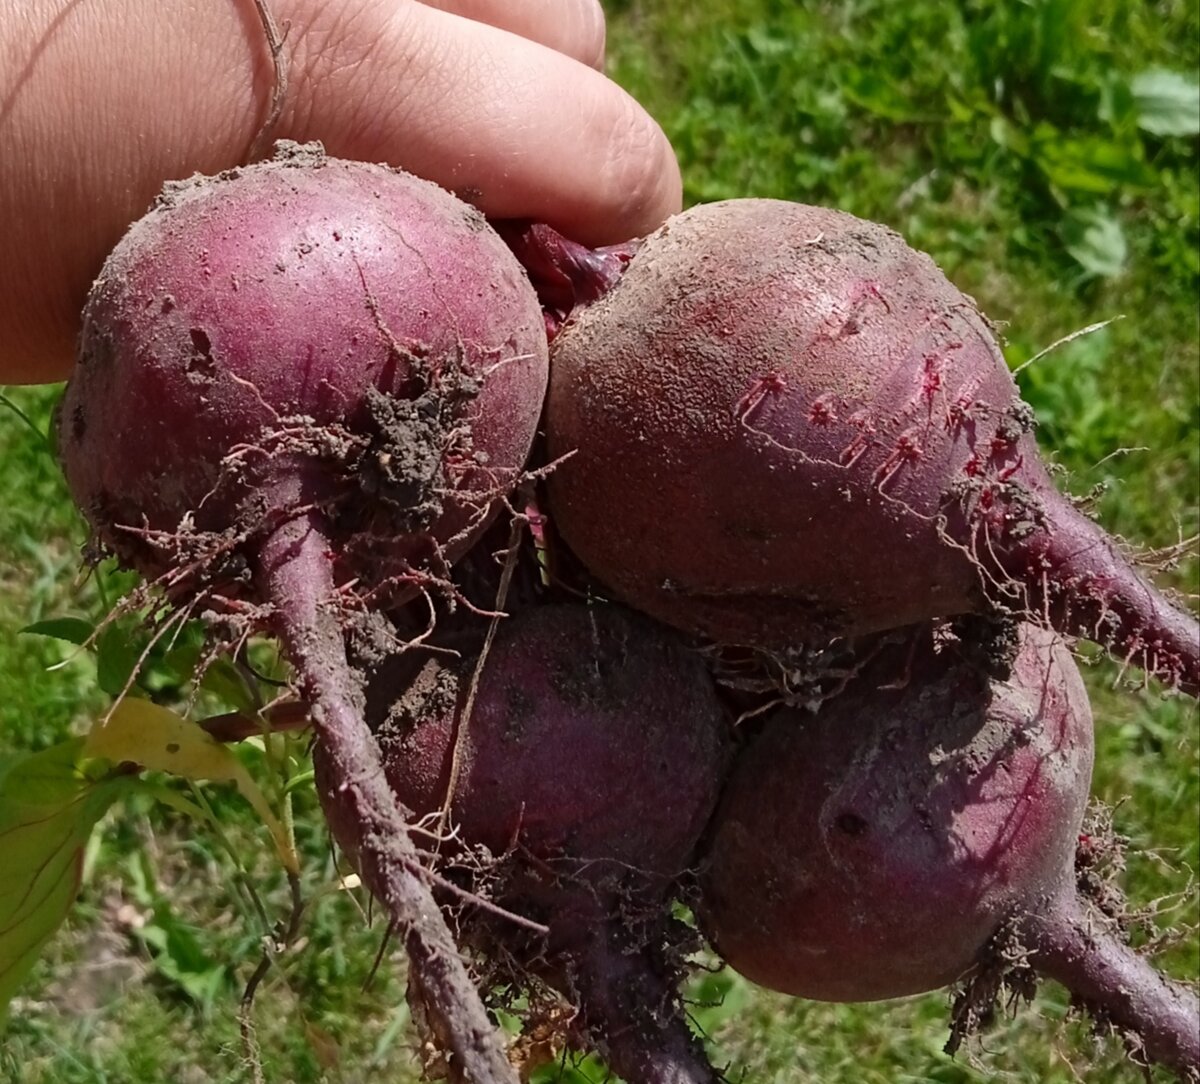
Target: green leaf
<point>224,680</point>
<point>1117,106</point>
<point>8,404</point>
<point>1090,163</point>
<point>179,957</point>
<point>73,630</point>
<point>1009,136</point>
<point>1167,102</point>
<point>118,651</point>
<point>48,808</point>
<point>878,95</point>
<point>1095,240</point>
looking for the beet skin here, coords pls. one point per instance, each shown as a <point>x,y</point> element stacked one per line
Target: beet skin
<point>302,388</point>
<point>785,425</point>
<point>306,329</point>
<point>886,838</point>
<point>590,763</point>
<point>873,850</point>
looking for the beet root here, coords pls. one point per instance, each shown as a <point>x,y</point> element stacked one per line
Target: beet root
<point>296,570</point>
<point>1076,947</point>
<point>887,839</point>
<point>302,388</point>
<point>787,425</point>
<point>337,324</point>
<point>587,766</point>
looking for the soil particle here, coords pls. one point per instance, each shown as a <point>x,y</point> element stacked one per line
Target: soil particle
<point>413,436</point>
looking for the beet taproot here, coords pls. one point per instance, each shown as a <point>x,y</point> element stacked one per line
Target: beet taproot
<point>302,387</point>
<point>586,757</point>
<point>783,425</point>
<point>874,849</point>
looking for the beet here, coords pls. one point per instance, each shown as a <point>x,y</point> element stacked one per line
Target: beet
<point>874,850</point>
<point>589,766</point>
<point>786,425</point>
<point>301,388</point>
<point>306,330</point>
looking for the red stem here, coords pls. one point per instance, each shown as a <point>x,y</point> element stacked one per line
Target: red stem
<point>296,574</point>
<point>234,726</point>
<point>1077,948</point>
<point>564,273</point>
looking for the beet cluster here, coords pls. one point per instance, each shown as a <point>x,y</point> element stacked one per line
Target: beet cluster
<point>767,438</point>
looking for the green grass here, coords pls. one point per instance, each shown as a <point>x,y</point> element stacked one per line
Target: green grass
<point>1023,144</point>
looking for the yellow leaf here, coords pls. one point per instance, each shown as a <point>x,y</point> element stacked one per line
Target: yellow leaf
<point>159,739</point>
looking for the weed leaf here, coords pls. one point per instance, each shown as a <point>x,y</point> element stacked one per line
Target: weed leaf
<point>48,808</point>
<point>157,738</point>
<point>72,630</point>
<point>1095,240</point>
<point>1167,103</point>
<point>118,652</point>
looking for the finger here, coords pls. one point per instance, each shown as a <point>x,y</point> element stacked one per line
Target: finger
<point>572,27</point>
<point>100,102</point>
<point>518,129</point>
<point>86,141</point>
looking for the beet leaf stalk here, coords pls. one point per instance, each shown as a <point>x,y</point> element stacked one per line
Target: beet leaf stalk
<point>296,572</point>
<point>565,273</point>
<point>1071,944</point>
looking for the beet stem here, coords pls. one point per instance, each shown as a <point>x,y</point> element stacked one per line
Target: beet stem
<point>633,1017</point>
<point>565,274</point>
<point>1075,948</point>
<point>1095,593</point>
<point>296,574</point>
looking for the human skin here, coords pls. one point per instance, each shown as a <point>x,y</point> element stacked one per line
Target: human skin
<point>101,101</point>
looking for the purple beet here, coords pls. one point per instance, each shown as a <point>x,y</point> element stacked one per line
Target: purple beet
<point>588,766</point>
<point>787,425</point>
<point>302,387</point>
<point>873,850</point>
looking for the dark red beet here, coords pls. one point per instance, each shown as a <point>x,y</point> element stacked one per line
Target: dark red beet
<point>873,850</point>
<point>787,425</point>
<point>302,387</point>
<point>590,764</point>
<point>885,838</point>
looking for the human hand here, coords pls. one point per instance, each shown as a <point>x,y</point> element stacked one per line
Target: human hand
<point>103,100</point>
